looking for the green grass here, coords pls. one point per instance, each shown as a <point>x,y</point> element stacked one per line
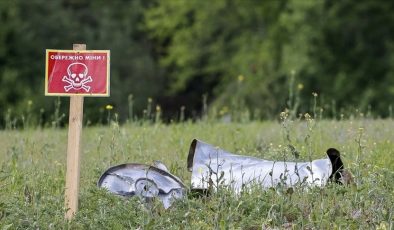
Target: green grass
<point>32,176</point>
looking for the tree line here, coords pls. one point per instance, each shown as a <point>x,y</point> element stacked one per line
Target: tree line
<point>233,55</point>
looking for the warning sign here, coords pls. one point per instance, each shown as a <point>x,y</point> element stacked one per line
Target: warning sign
<point>71,72</point>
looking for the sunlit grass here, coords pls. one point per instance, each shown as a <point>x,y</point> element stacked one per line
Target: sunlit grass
<point>33,171</point>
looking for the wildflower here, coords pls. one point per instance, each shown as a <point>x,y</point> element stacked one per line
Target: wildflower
<point>109,107</point>
<point>314,94</point>
<point>241,78</point>
<point>150,100</point>
<point>223,111</point>
<point>158,108</point>
<point>29,102</point>
<point>283,115</point>
<point>382,226</point>
<point>300,86</point>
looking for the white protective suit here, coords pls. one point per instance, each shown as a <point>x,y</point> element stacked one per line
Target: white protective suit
<point>212,167</point>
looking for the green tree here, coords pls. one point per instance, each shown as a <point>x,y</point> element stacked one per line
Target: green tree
<point>341,50</point>
<point>30,27</point>
<point>205,46</point>
<point>352,56</point>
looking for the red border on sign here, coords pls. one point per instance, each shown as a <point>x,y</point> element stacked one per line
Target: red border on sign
<point>77,72</point>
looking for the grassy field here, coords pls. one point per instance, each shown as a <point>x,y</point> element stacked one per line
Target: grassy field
<point>32,176</point>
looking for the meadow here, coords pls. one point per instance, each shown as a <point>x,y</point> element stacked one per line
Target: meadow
<point>33,165</point>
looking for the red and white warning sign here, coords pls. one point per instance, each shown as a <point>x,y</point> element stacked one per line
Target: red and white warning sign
<point>71,72</point>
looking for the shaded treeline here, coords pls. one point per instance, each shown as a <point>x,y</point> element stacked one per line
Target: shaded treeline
<point>254,56</point>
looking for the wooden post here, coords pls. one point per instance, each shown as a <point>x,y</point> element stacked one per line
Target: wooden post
<point>73,150</point>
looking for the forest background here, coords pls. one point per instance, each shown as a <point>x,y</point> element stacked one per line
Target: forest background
<point>190,58</point>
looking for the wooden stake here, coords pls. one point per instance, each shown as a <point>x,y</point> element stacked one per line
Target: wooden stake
<point>73,150</point>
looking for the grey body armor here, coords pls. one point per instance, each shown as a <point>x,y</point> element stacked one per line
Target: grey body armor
<point>212,167</point>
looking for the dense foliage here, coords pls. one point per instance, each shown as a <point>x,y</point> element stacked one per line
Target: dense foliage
<point>261,56</point>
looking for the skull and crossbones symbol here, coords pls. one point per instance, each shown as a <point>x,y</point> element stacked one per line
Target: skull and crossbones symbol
<point>77,77</point>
